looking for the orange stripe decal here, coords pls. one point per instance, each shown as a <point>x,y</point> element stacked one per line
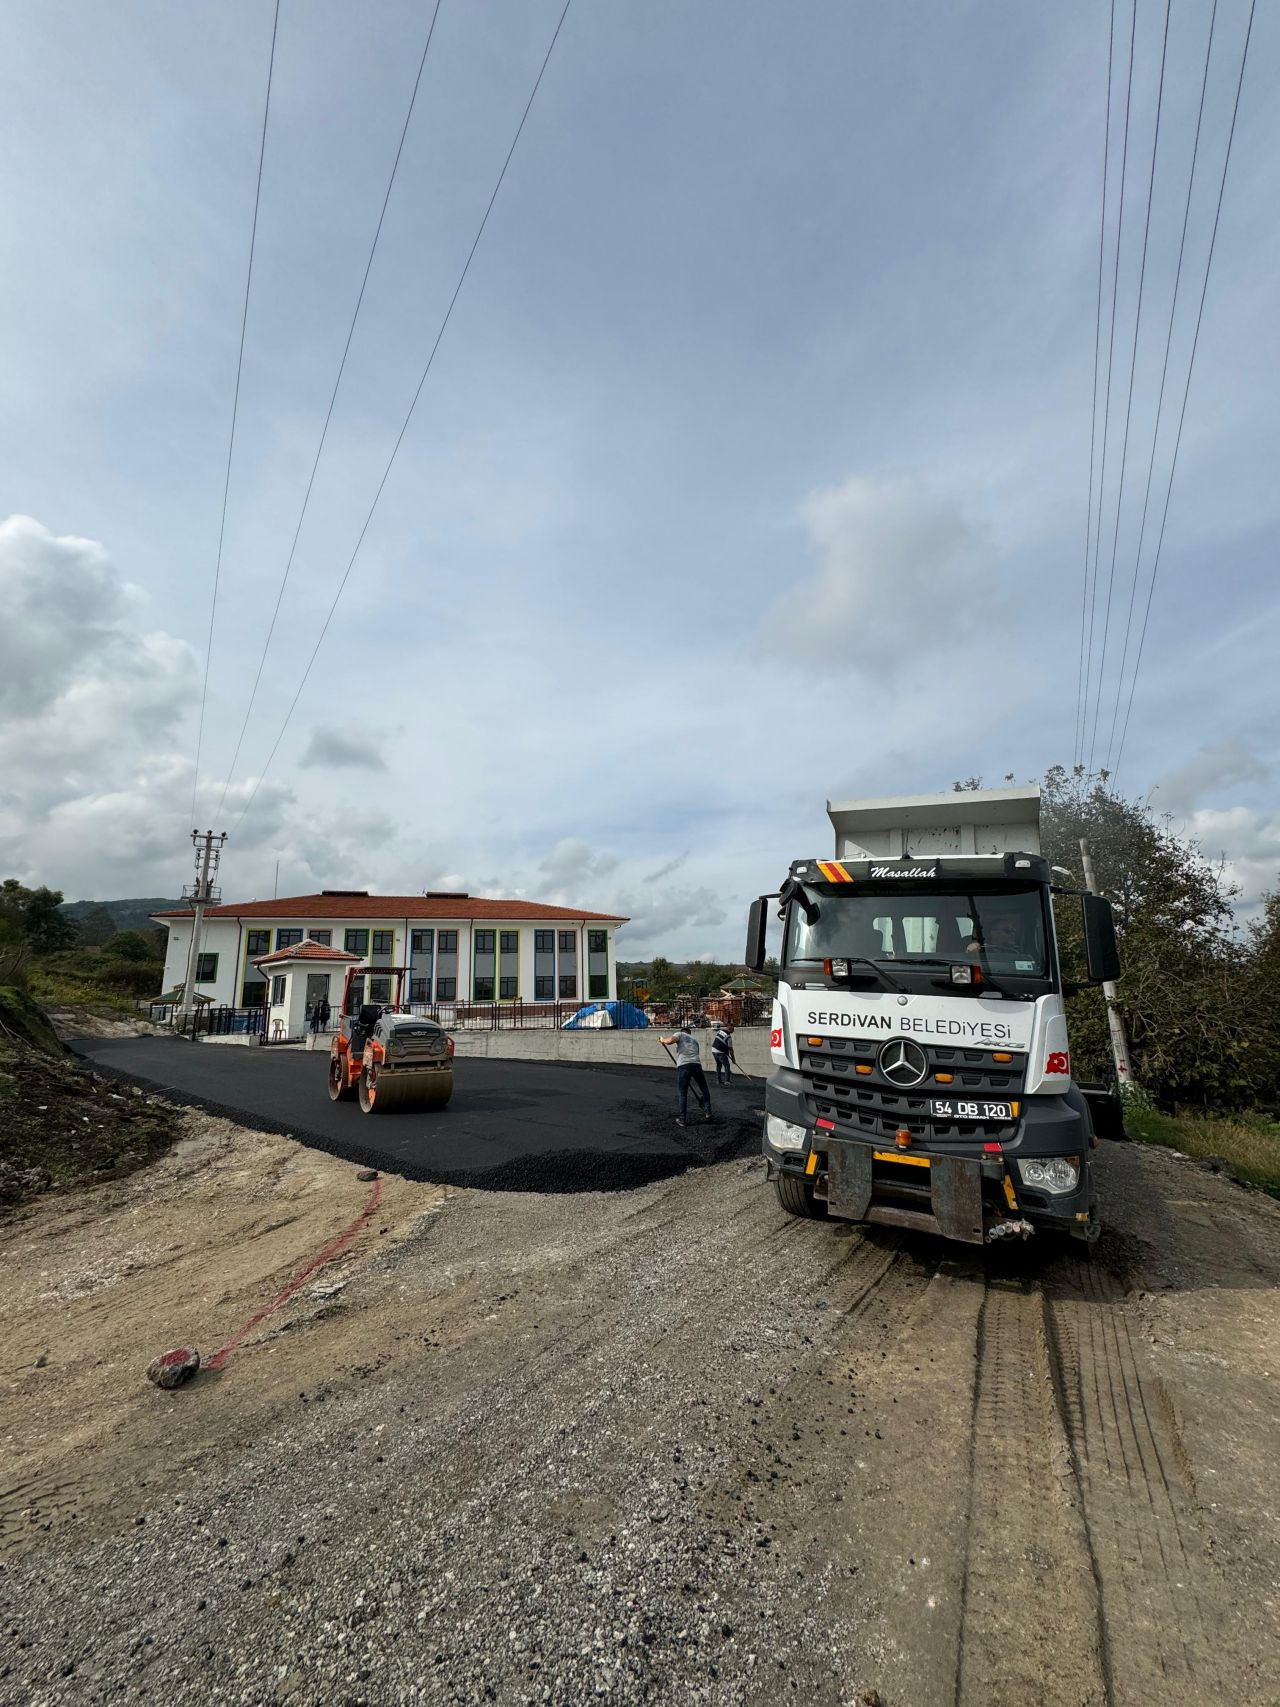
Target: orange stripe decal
<point>833,871</point>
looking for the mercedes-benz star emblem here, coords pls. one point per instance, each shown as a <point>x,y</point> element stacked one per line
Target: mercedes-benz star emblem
<point>903,1064</point>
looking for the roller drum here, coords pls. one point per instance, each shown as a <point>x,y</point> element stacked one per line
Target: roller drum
<point>339,1089</point>
<point>381,1091</point>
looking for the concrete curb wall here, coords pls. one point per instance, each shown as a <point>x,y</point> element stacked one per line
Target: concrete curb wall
<point>617,1048</point>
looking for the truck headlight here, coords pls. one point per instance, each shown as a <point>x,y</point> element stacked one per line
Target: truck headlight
<point>785,1134</point>
<point>1055,1174</point>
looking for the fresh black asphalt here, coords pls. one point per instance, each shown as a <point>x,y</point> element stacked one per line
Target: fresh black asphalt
<point>512,1125</point>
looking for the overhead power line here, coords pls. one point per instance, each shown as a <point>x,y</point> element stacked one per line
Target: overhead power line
<point>333,397</point>
<point>1111,346</point>
<point>235,409</point>
<point>1186,391</point>
<point>404,426</point>
<point>1128,408</point>
<point>1164,375</point>
<point>1093,415</point>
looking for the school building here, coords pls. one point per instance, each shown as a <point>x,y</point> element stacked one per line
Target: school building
<point>457,948</point>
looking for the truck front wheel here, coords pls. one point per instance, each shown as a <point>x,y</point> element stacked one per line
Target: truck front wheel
<point>796,1197</point>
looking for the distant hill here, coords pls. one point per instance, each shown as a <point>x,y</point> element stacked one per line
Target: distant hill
<point>127,915</point>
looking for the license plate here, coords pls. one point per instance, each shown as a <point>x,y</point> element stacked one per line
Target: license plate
<point>958,1108</point>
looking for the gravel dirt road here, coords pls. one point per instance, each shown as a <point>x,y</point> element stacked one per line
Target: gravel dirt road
<point>660,1445</point>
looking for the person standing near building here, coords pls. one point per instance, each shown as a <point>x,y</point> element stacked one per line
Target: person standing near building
<point>722,1051</point>
<point>689,1072</point>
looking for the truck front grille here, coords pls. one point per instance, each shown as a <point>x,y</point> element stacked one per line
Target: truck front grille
<point>835,1089</point>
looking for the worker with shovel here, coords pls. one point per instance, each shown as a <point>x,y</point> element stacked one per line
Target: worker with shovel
<point>688,1060</point>
<point>722,1051</point>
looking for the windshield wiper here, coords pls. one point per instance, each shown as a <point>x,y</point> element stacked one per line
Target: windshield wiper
<point>875,965</point>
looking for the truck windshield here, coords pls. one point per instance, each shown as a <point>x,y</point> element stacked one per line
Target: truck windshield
<point>928,927</point>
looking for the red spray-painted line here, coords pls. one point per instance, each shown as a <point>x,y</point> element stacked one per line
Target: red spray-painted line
<point>326,1255</point>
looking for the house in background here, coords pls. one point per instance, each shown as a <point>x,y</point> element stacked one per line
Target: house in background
<point>457,948</point>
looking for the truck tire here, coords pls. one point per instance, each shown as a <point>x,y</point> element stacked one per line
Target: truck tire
<point>796,1197</point>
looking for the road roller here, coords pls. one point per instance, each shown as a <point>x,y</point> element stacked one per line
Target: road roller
<point>384,1056</point>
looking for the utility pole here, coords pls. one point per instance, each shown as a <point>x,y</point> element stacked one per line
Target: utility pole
<point>1119,1042</point>
<point>201,893</point>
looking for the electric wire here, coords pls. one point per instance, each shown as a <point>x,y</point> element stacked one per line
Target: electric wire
<point>1186,391</point>
<point>1111,345</point>
<point>333,396</point>
<point>1128,409</point>
<point>1164,375</point>
<point>404,426</point>
<point>1078,741</point>
<point>235,409</point>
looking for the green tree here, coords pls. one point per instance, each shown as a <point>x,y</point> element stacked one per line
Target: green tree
<point>1197,996</point>
<point>97,928</point>
<point>664,979</point>
<point>131,945</point>
<point>36,916</point>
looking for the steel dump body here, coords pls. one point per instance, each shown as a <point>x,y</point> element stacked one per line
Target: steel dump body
<point>921,1065</point>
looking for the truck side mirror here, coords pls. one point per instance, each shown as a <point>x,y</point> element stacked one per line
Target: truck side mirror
<point>1101,954</point>
<point>757,923</point>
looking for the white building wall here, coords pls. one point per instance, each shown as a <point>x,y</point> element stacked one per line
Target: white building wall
<point>228,939</point>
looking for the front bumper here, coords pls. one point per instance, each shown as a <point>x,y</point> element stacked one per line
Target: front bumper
<point>958,1189</point>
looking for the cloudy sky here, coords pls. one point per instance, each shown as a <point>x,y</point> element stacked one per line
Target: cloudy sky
<point>753,468</point>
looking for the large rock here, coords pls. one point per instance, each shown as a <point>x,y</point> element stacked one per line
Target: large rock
<point>174,1368</point>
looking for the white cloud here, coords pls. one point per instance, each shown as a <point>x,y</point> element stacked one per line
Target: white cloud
<point>332,748</point>
<point>1210,771</point>
<point>900,575</point>
<point>79,685</point>
<point>571,871</point>
<point>1248,840</point>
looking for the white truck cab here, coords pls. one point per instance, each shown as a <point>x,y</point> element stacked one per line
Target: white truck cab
<point>922,1070</point>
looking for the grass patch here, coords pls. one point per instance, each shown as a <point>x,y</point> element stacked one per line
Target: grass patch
<point>56,990</point>
<point>1249,1144</point>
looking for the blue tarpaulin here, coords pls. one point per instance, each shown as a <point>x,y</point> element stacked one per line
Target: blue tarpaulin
<point>603,1016</point>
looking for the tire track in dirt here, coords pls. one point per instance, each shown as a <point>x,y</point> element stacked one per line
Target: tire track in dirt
<point>1152,1557</point>
<point>1030,1624</point>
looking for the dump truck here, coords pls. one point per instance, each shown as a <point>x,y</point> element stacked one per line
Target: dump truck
<point>921,1064</point>
<point>386,1056</point>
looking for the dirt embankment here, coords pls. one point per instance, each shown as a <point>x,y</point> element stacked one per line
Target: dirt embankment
<point>60,1122</point>
<point>658,1446</point>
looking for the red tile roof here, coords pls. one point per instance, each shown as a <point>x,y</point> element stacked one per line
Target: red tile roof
<point>389,908</point>
<point>305,951</point>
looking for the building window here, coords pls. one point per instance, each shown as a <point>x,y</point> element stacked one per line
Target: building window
<point>356,942</point>
<point>383,942</point>
<point>253,995</point>
<point>484,989</point>
<point>484,942</point>
<point>380,990</point>
<point>259,942</point>
<point>418,990</point>
<point>508,989</point>
<point>599,986</point>
<point>206,969</point>
<point>325,938</point>
<point>446,989</point>
<point>448,942</point>
<point>421,941</point>
<point>544,942</point>
<point>277,990</point>
<point>543,989</point>
<point>568,943</point>
<point>287,938</point>
<point>568,987</point>
<point>597,942</point>
<point>510,942</point>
